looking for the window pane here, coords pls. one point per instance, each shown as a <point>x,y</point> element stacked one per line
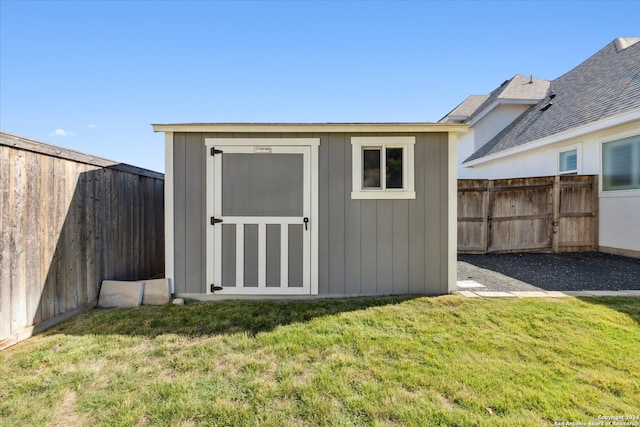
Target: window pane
<point>621,164</point>
<point>569,161</point>
<point>394,167</point>
<point>371,169</point>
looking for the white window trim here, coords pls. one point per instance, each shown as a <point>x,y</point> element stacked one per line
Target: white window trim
<point>408,170</point>
<point>633,192</point>
<point>564,149</point>
<point>169,248</point>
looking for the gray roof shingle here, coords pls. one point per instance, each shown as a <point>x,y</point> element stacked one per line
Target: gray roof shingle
<point>467,107</point>
<point>519,87</point>
<point>606,84</point>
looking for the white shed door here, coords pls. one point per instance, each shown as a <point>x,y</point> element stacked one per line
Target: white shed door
<point>260,220</point>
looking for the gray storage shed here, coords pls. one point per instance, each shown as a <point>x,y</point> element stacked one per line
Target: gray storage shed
<point>310,209</point>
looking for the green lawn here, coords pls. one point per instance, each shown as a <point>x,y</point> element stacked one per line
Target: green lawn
<point>366,361</point>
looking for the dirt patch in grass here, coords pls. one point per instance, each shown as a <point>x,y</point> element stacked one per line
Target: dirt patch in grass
<point>64,414</point>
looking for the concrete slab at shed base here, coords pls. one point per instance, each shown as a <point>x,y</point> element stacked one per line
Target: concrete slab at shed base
<point>114,293</point>
<point>156,292</point>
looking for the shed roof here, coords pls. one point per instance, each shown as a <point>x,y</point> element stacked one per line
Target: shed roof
<point>310,127</point>
<point>605,85</point>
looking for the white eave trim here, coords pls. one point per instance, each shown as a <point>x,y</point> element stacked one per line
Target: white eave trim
<point>311,127</point>
<point>575,132</point>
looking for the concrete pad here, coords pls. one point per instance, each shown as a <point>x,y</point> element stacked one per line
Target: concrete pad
<point>114,293</point>
<point>530,294</point>
<point>577,293</point>
<point>468,294</point>
<point>492,294</point>
<point>469,284</point>
<point>156,292</point>
<point>557,294</point>
<point>631,292</point>
<point>604,293</point>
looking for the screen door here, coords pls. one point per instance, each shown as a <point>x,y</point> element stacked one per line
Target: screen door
<point>260,222</point>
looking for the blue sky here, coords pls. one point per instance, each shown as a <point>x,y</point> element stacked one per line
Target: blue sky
<point>94,75</point>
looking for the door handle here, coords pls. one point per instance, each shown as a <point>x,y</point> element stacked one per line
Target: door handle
<point>306,223</point>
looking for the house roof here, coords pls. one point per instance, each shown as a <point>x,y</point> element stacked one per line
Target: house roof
<point>466,108</point>
<point>519,89</point>
<point>310,127</point>
<point>605,85</point>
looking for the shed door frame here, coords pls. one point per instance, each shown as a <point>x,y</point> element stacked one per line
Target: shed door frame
<point>261,145</point>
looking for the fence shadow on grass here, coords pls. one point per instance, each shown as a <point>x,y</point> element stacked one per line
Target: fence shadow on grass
<point>214,318</point>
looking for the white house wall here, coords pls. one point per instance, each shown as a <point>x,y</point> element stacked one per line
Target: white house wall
<point>482,131</point>
<point>496,120</point>
<point>619,211</point>
<point>620,223</point>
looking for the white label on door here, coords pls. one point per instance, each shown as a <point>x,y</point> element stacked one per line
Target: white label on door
<point>262,149</point>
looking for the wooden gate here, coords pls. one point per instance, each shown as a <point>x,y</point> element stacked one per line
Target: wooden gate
<point>540,214</point>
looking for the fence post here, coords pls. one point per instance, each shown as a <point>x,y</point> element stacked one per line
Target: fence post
<point>595,212</point>
<point>486,209</point>
<point>555,213</point>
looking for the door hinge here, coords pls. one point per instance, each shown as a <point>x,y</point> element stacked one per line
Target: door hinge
<point>215,221</point>
<point>215,288</point>
<point>214,151</point>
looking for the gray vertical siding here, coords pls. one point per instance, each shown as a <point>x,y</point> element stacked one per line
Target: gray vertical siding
<point>229,254</point>
<point>295,255</point>
<point>273,254</point>
<point>250,255</point>
<point>366,247</point>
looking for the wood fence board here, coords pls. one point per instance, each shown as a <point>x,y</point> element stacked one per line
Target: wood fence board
<point>5,263</point>
<point>18,246</point>
<point>145,246</point>
<point>81,233</point>
<point>68,233</point>
<point>32,241</point>
<point>527,214</point>
<point>60,214</point>
<point>48,239</point>
<point>91,284</point>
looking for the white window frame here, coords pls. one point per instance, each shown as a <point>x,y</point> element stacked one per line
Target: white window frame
<point>566,148</point>
<point>407,143</point>
<point>630,192</point>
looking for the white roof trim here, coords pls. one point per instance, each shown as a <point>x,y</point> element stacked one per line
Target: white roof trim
<point>501,101</point>
<point>453,119</point>
<point>310,127</point>
<point>561,136</point>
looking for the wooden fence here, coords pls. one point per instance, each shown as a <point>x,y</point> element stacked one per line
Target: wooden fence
<point>67,222</point>
<point>544,214</point>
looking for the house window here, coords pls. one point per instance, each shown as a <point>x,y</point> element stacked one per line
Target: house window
<point>621,164</point>
<point>568,162</point>
<point>383,167</point>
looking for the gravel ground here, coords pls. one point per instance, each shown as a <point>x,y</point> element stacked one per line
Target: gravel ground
<point>550,272</point>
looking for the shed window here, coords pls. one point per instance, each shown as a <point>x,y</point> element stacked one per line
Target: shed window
<point>383,167</point>
<point>371,168</point>
<point>621,164</point>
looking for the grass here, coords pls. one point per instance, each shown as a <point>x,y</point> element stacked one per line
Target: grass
<point>445,361</point>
